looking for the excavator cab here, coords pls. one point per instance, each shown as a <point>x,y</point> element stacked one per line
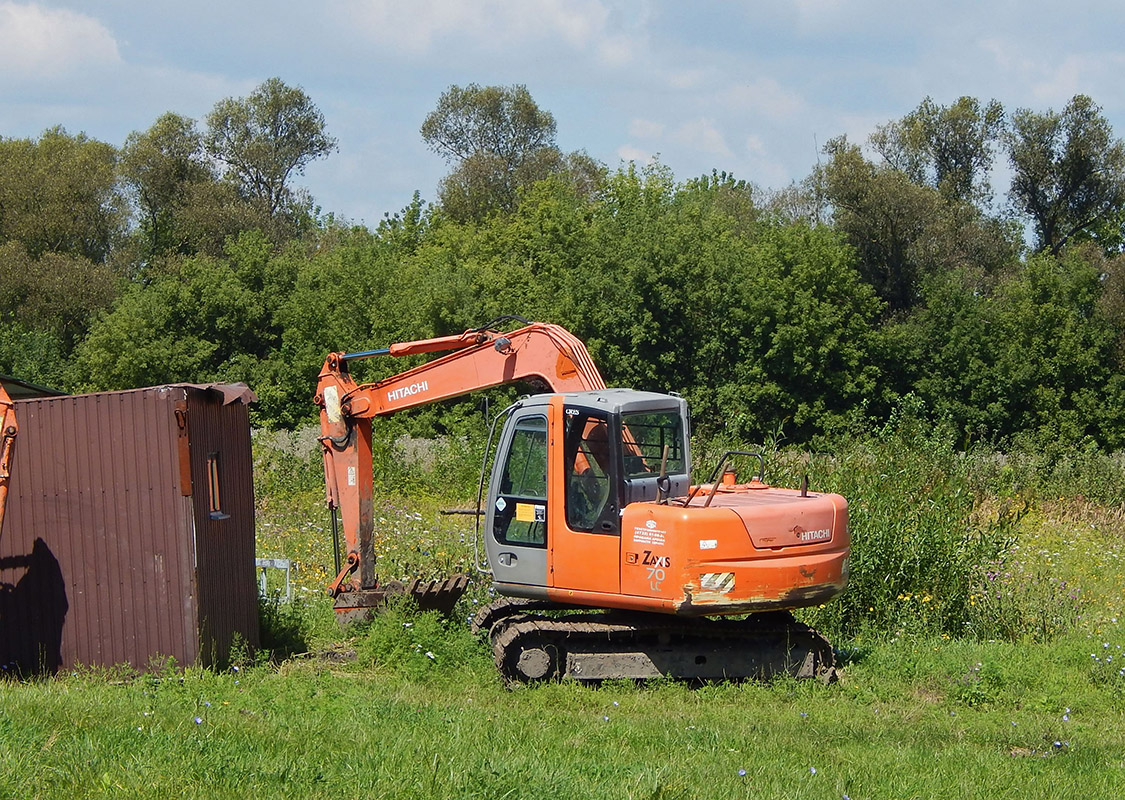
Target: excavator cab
<point>566,467</point>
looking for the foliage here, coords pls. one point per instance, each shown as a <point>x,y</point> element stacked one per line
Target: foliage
<point>162,167</point>
<point>500,142</point>
<point>1069,174</point>
<point>768,313</point>
<point>265,139</point>
<point>918,537</point>
<point>905,231</point>
<point>1031,356</point>
<point>420,646</point>
<point>1013,603</point>
<point>59,194</point>
<point>947,147</point>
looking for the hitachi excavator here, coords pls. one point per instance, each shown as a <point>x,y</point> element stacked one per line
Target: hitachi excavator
<point>608,562</point>
<point>8,431</point>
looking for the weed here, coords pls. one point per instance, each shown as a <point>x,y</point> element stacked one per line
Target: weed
<point>1011,601</point>
<point>418,645</point>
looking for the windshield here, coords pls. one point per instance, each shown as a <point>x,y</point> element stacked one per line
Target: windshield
<point>644,436</point>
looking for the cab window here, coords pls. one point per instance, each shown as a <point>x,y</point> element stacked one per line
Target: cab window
<point>521,506</point>
<point>590,476</point>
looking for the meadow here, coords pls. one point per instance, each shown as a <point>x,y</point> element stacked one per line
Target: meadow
<point>981,652</point>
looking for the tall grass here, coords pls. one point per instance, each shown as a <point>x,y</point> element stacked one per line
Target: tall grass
<point>934,528</point>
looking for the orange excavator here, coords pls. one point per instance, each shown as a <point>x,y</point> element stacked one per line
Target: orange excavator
<point>8,431</point>
<point>608,561</point>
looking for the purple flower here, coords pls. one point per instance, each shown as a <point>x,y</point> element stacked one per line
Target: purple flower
<point>742,773</point>
<point>199,720</point>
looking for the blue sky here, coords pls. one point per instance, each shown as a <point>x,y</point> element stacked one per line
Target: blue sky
<point>752,88</point>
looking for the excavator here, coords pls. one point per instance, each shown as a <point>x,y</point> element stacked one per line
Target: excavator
<point>608,562</point>
<point>8,432</point>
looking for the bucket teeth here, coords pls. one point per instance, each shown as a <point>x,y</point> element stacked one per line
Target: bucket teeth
<point>429,595</point>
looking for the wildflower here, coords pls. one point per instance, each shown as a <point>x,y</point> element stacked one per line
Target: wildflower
<point>606,719</point>
<point>199,720</point>
<point>804,713</point>
<point>742,773</point>
<point>430,655</point>
<point>207,703</point>
<point>812,770</point>
<point>616,703</point>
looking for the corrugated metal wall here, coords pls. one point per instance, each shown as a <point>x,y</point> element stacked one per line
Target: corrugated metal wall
<point>99,562</point>
<point>228,593</point>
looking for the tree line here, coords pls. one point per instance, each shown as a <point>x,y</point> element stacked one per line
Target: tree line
<point>894,272</point>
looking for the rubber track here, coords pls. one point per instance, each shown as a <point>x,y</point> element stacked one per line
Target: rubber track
<point>511,633</point>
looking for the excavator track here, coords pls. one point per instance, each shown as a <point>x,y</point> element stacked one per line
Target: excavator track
<point>589,646</point>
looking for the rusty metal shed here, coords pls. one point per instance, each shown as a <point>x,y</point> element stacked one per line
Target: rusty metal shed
<point>130,530</point>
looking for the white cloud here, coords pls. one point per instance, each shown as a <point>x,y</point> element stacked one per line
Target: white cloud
<point>1095,74</point>
<point>687,79</point>
<point>51,42</point>
<point>703,136</point>
<point>764,96</point>
<point>645,129</point>
<point>764,168</point>
<point>425,26</point>
<point>628,152</point>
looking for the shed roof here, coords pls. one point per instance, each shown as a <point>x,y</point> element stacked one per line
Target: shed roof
<point>23,390</point>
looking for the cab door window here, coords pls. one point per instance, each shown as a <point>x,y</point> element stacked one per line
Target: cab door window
<point>591,503</point>
<point>521,504</point>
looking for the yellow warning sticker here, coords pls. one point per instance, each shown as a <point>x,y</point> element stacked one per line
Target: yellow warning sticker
<point>525,512</point>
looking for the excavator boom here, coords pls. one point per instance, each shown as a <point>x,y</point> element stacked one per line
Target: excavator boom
<point>542,354</point>
<point>8,431</point>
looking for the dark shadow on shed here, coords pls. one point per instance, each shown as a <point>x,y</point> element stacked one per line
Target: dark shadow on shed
<point>32,613</point>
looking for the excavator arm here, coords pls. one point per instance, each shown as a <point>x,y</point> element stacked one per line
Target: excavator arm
<point>538,353</point>
<point>8,431</point>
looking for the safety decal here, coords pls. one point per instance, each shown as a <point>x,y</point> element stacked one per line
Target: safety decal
<point>529,512</point>
<point>721,582</point>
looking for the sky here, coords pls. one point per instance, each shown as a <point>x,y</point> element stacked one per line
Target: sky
<point>752,88</point>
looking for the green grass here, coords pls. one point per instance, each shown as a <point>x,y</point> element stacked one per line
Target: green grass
<point>412,706</point>
<point>908,719</point>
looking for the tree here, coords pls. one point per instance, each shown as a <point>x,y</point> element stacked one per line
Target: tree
<point>160,166</point>
<point>947,147</point>
<point>267,138</point>
<point>904,231</point>
<point>199,319</point>
<point>1069,173</point>
<point>59,194</point>
<point>499,141</point>
<point>1035,356</point>
<point>504,122</point>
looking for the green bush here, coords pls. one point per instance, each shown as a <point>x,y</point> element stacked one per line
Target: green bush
<point>919,533</point>
<point>418,645</point>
